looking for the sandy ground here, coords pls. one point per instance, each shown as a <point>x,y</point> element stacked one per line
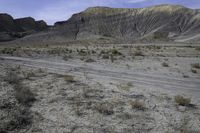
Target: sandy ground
<point>97,91</point>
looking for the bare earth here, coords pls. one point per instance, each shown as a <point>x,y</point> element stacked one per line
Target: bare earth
<point>101,90</point>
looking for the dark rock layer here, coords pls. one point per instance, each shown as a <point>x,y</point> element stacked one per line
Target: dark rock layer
<point>16,28</point>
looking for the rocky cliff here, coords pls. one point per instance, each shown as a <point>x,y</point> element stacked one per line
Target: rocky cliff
<point>156,23</point>
<point>163,22</point>
<point>16,28</point>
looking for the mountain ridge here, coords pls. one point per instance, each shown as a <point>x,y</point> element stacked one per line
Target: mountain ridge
<point>168,22</point>
<point>153,23</point>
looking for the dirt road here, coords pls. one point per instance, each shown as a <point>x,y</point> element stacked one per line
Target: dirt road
<point>189,85</point>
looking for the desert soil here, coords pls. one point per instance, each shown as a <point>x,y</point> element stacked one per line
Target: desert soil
<point>121,88</point>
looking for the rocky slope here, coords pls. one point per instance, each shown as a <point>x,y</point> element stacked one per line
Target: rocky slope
<point>164,22</point>
<point>16,28</point>
<point>156,23</point>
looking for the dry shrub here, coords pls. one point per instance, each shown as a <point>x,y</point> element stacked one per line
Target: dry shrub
<point>89,60</point>
<point>29,74</point>
<point>198,48</point>
<point>115,52</point>
<point>164,64</point>
<point>180,100</point>
<point>24,95</point>
<point>196,65</point>
<point>105,56</point>
<point>105,108</point>
<point>69,78</point>
<point>19,116</point>
<point>136,104</point>
<point>11,77</point>
<point>193,70</point>
<point>138,52</point>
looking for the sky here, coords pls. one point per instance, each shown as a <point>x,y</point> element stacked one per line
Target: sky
<point>58,10</point>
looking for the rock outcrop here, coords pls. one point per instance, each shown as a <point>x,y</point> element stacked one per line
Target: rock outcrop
<point>16,28</point>
<point>7,23</point>
<point>163,22</point>
<point>156,23</point>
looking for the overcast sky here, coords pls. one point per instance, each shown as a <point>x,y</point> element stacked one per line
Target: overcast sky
<point>58,10</point>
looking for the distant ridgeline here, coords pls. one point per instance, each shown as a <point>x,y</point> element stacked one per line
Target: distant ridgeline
<point>156,23</point>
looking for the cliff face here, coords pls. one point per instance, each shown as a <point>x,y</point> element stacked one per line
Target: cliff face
<point>7,23</point>
<point>164,22</point>
<point>16,28</point>
<point>29,23</point>
<point>156,23</point>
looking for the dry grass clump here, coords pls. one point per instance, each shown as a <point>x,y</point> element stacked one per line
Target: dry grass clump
<point>130,84</point>
<point>78,105</point>
<point>138,53</point>
<point>59,51</point>
<point>115,52</point>
<point>40,70</point>
<point>82,52</point>
<point>160,35</point>
<point>19,115</point>
<point>8,51</point>
<point>110,54</point>
<point>126,86</point>
<point>180,100</point>
<point>112,59</point>
<point>11,77</point>
<point>198,48</point>
<point>164,64</point>
<point>69,78</point>
<point>105,108</point>
<point>28,75</point>
<point>193,70</point>
<point>105,56</point>
<point>89,60</point>
<point>196,65</point>
<point>24,95</point>
<point>136,104</point>
<point>18,118</point>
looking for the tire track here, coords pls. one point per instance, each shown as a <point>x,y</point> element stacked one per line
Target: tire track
<point>165,82</point>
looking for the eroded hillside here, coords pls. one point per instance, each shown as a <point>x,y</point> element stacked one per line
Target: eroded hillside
<point>157,23</point>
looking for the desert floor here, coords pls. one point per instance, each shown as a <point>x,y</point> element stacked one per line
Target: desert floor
<point>100,88</point>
